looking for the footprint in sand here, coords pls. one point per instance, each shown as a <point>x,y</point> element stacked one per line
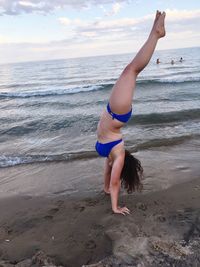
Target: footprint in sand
<point>98,230</point>
<point>160,218</point>
<point>91,202</point>
<point>51,213</point>
<point>141,206</point>
<point>79,207</point>
<point>48,217</point>
<point>97,227</point>
<point>90,244</point>
<point>3,233</point>
<point>60,203</point>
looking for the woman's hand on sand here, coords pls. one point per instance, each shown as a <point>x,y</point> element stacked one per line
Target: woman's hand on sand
<point>120,210</point>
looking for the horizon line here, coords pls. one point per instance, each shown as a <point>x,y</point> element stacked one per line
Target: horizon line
<point>103,55</point>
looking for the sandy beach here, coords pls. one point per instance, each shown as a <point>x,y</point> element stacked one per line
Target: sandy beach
<point>77,72</point>
<point>64,223</point>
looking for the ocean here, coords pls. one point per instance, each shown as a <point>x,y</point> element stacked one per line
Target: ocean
<point>50,109</point>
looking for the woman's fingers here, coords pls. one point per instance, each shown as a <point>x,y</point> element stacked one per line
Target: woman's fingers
<point>126,210</point>
<point>123,211</point>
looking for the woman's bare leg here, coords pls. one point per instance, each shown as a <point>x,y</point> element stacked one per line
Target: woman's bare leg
<point>122,92</point>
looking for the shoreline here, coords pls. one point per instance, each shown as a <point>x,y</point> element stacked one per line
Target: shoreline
<point>163,168</point>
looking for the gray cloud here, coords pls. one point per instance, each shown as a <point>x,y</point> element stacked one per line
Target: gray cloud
<point>110,29</point>
<point>177,21</point>
<point>112,35</point>
<point>15,7</point>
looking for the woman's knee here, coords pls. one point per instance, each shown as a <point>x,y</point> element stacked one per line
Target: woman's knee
<point>130,69</point>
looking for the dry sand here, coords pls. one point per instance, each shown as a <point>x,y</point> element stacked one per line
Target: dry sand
<point>163,229</point>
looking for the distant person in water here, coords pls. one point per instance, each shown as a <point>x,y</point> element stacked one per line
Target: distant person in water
<point>172,62</point>
<point>181,59</point>
<point>121,168</point>
<point>158,61</point>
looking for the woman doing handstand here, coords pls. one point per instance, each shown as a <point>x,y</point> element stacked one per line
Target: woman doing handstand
<point>120,165</point>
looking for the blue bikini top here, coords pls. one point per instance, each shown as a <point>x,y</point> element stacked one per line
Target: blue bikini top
<point>120,117</point>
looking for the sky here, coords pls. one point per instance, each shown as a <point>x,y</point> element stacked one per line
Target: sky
<point>32,30</point>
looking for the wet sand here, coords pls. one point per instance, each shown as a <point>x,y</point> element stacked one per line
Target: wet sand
<point>163,167</point>
<point>75,228</point>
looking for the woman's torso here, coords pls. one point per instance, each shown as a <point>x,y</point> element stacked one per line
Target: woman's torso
<point>108,129</point>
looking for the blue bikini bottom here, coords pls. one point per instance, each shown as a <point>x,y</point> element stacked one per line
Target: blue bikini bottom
<point>104,149</point>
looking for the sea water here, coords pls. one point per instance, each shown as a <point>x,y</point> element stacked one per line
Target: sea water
<point>49,110</point>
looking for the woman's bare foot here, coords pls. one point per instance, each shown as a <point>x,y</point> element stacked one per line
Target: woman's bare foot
<point>158,13</point>
<point>159,25</point>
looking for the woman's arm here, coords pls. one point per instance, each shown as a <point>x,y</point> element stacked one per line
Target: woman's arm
<point>115,185</point>
<point>107,175</point>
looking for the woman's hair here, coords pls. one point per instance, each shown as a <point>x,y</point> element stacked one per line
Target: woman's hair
<point>132,173</point>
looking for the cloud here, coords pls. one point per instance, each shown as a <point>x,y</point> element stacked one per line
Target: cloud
<point>108,28</point>
<point>73,22</point>
<point>182,21</point>
<point>175,15</point>
<point>15,7</point>
<point>176,21</point>
<point>107,36</point>
<point>115,10</point>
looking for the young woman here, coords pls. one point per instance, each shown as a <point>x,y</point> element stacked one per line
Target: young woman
<point>120,165</point>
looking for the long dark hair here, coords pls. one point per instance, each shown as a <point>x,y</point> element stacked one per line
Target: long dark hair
<point>132,173</point>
